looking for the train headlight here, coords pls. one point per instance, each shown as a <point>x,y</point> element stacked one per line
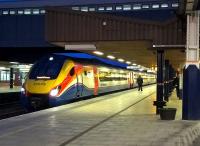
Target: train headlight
<point>54,92</point>
<point>23,90</point>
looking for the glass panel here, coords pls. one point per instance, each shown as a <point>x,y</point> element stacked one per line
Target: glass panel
<point>174,5</point>
<point>92,9</point>
<point>137,7</point>
<point>75,8</point>
<point>126,7</point>
<point>36,11</point>
<point>155,6</point>
<point>109,8</point>
<point>12,12</point>
<point>145,6</point>
<point>164,6</point>
<point>20,12</point>
<point>84,9</point>
<point>42,11</point>
<point>101,8</point>
<point>118,7</point>
<point>27,11</point>
<point>5,12</point>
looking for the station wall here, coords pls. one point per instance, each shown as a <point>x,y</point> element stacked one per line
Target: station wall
<point>22,31</point>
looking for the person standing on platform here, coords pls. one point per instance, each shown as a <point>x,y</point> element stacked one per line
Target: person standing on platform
<point>176,84</point>
<point>139,82</point>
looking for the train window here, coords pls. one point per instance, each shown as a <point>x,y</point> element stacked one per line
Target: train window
<point>46,68</point>
<point>72,72</point>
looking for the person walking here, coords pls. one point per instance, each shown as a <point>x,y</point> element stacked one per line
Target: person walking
<point>139,82</point>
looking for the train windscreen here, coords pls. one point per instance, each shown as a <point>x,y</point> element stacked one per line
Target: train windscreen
<point>47,68</point>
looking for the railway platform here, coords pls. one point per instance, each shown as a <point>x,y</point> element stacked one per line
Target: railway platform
<point>124,118</point>
<point>9,90</point>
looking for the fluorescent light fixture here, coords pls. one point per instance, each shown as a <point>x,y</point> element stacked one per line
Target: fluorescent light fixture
<point>81,47</point>
<point>128,62</point>
<point>110,57</point>
<point>14,62</point>
<point>141,69</point>
<point>134,64</point>
<point>121,60</point>
<point>98,53</point>
<point>43,77</point>
<point>2,68</point>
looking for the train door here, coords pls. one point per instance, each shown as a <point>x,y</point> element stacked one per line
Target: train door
<point>79,80</point>
<point>96,81</point>
<point>131,79</point>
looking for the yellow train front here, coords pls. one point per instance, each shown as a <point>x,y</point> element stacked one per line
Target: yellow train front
<point>55,80</point>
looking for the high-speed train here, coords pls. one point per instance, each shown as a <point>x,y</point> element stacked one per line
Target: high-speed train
<point>56,79</point>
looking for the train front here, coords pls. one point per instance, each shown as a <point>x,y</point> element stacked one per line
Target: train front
<point>42,82</point>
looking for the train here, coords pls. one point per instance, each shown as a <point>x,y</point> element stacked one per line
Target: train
<point>56,79</point>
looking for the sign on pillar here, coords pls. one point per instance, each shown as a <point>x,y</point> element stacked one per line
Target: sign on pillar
<point>192,47</point>
<point>191,74</point>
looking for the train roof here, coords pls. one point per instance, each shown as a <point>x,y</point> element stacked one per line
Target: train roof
<point>93,59</point>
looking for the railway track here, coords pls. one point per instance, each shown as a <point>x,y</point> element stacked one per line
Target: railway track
<point>11,109</point>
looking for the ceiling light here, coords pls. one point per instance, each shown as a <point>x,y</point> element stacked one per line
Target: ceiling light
<point>14,62</point>
<point>2,68</point>
<point>121,60</point>
<point>128,62</point>
<point>134,64</point>
<point>98,53</point>
<point>110,57</point>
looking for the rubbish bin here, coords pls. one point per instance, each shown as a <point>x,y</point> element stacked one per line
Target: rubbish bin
<point>167,113</point>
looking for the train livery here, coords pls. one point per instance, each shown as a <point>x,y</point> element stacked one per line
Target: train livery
<point>56,79</point>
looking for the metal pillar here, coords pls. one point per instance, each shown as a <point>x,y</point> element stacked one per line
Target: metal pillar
<point>166,82</point>
<point>191,73</point>
<point>11,78</point>
<point>159,103</point>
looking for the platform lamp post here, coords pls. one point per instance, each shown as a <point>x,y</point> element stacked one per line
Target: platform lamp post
<point>191,73</point>
<point>159,103</point>
<point>11,77</point>
<point>166,82</point>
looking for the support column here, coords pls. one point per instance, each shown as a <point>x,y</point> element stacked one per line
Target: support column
<point>159,103</point>
<point>11,77</point>
<point>166,83</point>
<point>191,73</point>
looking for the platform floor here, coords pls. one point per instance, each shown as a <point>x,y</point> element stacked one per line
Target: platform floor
<point>8,90</point>
<point>121,119</point>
